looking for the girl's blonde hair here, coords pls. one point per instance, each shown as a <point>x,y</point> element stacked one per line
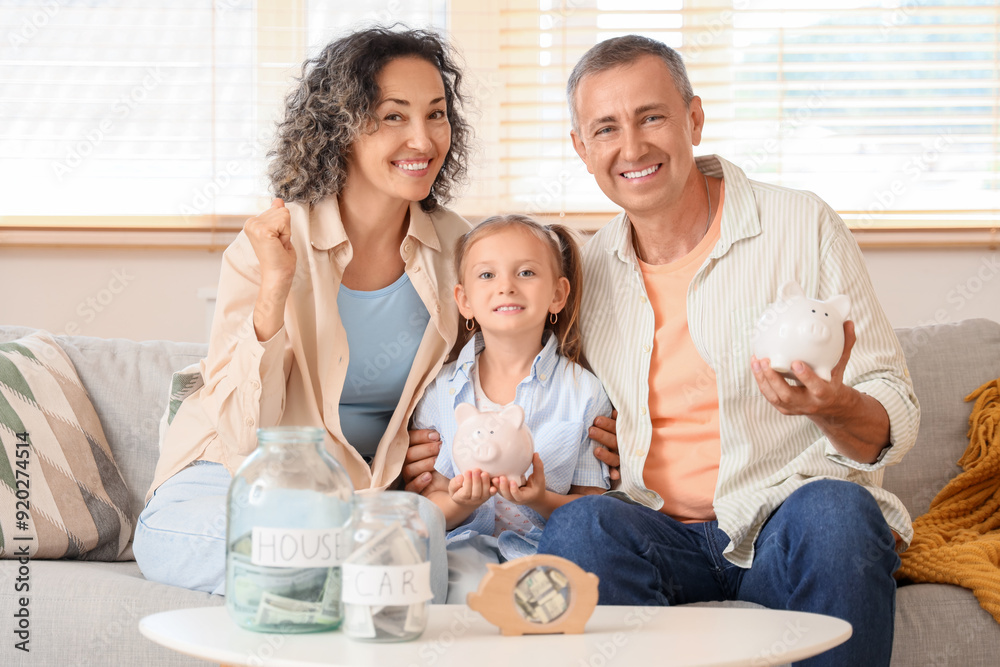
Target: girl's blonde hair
<point>562,243</point>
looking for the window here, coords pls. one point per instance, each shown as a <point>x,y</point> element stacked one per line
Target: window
<point>159,113</point>
<point>888,110</point>
<point>153,115</point>
<point>125,108</point>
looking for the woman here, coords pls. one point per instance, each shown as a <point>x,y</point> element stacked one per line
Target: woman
<point>334,310</point>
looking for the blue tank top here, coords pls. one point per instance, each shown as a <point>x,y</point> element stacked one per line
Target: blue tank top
<point>384,329</point>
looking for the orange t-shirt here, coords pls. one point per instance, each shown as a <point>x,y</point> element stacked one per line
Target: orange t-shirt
<point>682,465</point>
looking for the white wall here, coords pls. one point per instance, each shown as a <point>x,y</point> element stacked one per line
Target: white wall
<point>125,293</point>
<point>936,285</point>
<point>153,294</point>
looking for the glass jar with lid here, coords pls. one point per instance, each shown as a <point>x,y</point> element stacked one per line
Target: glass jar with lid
<point>387,576</point>
<point>288,510</point>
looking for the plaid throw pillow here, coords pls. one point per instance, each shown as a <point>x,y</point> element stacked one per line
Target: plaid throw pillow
<point>61,493</point>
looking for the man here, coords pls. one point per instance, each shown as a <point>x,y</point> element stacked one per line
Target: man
<point>738,485</point>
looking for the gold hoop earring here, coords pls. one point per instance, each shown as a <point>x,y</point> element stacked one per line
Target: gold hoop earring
<point>553,318</point>
<point>470,325</point>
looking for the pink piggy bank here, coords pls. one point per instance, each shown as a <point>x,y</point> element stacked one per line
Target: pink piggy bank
<point>797,328</point>
<point>497,443</point>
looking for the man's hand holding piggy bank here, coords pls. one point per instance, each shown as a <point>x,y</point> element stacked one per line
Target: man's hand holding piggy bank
<point>797,328</point>
<point>812,340</point>
<point>803,339</point>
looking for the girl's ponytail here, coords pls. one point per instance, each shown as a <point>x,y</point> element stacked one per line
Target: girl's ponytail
<point>567,326</point>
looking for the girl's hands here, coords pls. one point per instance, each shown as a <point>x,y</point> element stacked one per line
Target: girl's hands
<point>533,491</point>
<point>471,489</point>
<point>270,234</point>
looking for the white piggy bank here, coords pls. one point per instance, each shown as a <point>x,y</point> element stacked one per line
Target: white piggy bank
<point>797,328</point>
<point>497,443</point>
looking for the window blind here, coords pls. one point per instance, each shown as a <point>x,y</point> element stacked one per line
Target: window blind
<point>890,111</point>
<point>159,112</point>
<point>120,110</point>
<point>125,108</point>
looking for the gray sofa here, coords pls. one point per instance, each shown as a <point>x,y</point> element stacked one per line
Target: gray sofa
<point>87,613</point>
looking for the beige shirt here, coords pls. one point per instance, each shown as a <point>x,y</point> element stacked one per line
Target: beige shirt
<point>769,235</point>
<point>296,377</point>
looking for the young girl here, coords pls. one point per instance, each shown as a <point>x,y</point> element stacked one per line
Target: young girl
<point>519,295</point>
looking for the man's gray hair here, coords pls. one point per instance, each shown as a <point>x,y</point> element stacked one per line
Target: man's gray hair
<point>625,50</point>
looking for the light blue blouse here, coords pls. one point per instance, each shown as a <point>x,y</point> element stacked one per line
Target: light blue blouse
<point>384,329</point>
<point>560,401</point>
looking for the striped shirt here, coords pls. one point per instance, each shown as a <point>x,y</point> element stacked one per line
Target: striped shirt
<point>769,235</point>
<point>560,401</point>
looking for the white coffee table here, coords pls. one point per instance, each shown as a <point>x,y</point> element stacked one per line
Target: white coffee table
<point>459,637</point>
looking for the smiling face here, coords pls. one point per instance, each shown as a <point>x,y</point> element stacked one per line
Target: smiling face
<point>510,283</point>
<point>400,160</point>
<point>637,136</point>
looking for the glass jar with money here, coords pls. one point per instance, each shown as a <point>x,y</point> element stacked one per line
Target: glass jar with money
<point>387,576</point>
<point>288,511</point>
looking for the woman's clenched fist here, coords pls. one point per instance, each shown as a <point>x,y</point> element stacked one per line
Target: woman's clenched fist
<point>270,234</point>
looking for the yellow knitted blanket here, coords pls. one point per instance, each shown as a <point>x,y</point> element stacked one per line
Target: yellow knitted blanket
<point>958,540</point>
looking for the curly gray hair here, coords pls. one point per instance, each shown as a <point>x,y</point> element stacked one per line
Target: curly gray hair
<point>333,104</point>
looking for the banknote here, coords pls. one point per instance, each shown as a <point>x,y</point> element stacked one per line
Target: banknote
<point>389,546</point>
<point>282,596</point>
<point>331,608</point>
<point>278,610</point>
<point>542,594</point>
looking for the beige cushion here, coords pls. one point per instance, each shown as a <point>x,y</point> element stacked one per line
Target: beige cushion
<point>64,490</point>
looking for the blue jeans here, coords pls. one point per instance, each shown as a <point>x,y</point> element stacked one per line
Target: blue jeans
<point>827,549</point>
<point>180,538</point>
